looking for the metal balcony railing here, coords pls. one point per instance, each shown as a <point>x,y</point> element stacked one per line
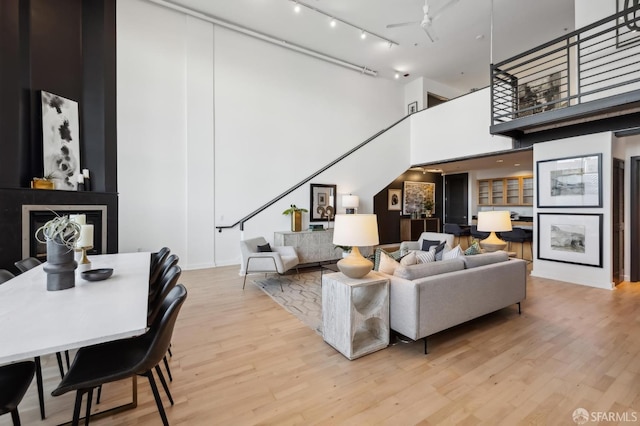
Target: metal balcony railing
<point>598,61</point>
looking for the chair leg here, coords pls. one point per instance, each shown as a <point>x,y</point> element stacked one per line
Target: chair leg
<point>66,356</point>
<point>169,350</point>
<point>87,415</point>
<point>166,366</point>
<point>164,383</point>
<point>244,281</point>
<point>40,387</point>
<point>15,417</point>
<point>76,408</point>
<point>156,395</point>
<point>59,358</point>
<point>99,394</point>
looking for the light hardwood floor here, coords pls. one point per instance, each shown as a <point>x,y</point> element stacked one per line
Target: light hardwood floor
<point>241,359</point>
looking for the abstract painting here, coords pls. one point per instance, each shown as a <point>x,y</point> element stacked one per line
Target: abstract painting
<point>60,140</point>
<point>416,194</point>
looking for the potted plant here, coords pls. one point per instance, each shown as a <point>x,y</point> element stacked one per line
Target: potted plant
<point>428,208</point>
<point>60,235</point>
<point>296,217</point>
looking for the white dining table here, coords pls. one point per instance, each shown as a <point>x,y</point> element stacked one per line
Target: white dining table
<point>35,321</point>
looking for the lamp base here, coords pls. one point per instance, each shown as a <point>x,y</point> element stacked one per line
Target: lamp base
<point>492,243</point>
<point>354,265</point>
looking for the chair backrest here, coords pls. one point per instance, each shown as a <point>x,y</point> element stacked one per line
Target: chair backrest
<point>451,228</point>
<point>156,262</point>
<point>247,247</point>
<point>156,341</point>
<point>5,276</point>
<point>167,283</point>
<point>436,236</point>
<point>169,261</point>
<point>25,264</point>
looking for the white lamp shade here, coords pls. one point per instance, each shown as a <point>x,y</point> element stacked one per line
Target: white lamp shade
<point>357,230</point>
<point>494,221</point>
<point>350,201</point>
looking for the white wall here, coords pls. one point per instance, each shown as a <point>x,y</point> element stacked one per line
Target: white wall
<point>578,274</point>
<point>455,129</point>
<point>414,92</point>
<point>212,124</point>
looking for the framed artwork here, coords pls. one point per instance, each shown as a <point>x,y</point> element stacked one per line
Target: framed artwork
<point>322,202</point>
<point>570,238</point>
<point>60,140</point>
<point>395,198</point>
<point>628,25</point>
<point>416,194</point>
<point>570,182</point>
<point>413,107</point>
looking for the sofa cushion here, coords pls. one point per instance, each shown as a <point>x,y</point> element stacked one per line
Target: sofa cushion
<point>422,270</point>
<point>376,257</point>
<point>485,259</point>
<point>409,259</point>
<point>388,264</point>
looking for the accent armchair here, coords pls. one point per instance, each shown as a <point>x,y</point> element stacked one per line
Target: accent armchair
<point>279,260</point>
<point>405,246</point>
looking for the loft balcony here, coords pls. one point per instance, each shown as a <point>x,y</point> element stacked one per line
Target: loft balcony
<point>589,75</point>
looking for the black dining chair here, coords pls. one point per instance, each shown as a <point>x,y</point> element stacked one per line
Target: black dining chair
<point>121,359</point>
<point>5,276</point>
<point>518,235</point>
<point>14,382</point>
<point>157,260</point>
<point>28,263</point>
<point>457,230</point>
<point>167,263</point>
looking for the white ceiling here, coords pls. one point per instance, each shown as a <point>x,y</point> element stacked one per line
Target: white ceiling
<point>460,58</point>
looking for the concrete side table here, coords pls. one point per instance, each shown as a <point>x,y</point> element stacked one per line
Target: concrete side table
<point>355,313</point>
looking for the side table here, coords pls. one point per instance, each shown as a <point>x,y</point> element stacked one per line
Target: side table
<point>355,313</point>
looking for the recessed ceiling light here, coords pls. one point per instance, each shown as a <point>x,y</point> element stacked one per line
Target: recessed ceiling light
<point>363,35</point>
<point>296,8</point>
<point>332,23</point>
<point>397,75</point>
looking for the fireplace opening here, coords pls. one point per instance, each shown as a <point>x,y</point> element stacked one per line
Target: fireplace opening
<point>34,216</point>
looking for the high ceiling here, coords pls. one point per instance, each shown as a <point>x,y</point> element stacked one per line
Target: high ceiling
<point>459,58</point>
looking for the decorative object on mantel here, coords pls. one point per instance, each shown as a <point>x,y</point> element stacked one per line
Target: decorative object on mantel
<point>296,217</point>
<point>87,179</point>
<point>322,202</point>
<point>60,234</point>
<point>42,183</point>
<point>316,227</point>
<point>60,140</point>
<point>494,221</point>
<point>355,230</point>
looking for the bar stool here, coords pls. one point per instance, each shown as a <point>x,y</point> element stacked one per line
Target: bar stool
<point>518,235</point>
<point>458,231</point>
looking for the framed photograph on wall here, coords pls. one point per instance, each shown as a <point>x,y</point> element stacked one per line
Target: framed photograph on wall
<point>322,202</point>
<point>412,107</point>
<point>570,238</point>
<point>395,200</point>
<point>416,194</point>
<point>570,182</point>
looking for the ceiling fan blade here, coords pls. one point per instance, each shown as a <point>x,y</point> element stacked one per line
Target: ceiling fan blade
<point>403,24</point>
<point>428,30</point>
<point>442,9</point>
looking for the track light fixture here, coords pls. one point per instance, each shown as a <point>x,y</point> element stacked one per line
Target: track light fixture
<point>334,22</point>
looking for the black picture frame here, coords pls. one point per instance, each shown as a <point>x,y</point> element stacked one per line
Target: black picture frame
<point>574,238</point>
<point>322,202</point>
<point>412,107</point>
<point>574,182</point>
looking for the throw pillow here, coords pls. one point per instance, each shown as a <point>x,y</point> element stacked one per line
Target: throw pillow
<point>426,256</point>
<point>474,248</point>
<point>264,248</point>
<point>426,244</point>
<point>440,249</point>
<point>409,259</point>
<point>453,253</point>
<point>388,264</point>
<point>376,257</point>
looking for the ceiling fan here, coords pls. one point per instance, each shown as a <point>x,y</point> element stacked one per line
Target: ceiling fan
<point>427,20</point>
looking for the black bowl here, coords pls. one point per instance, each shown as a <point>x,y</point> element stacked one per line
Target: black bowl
<point>97,274</point>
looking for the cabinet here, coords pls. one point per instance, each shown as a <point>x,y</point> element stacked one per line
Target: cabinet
<point>510,191</point>
<point>311,246</point>
<point>355,313</point>
<point>410,229</point>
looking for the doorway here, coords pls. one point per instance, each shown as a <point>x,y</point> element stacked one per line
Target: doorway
<point>456,198</point>
<point>618,221</point>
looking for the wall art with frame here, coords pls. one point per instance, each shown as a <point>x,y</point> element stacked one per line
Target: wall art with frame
<point>395,200</point>
<point>416,194</point>
<point>570,182</point>
<point>322,202</point>
<point>570,238</point>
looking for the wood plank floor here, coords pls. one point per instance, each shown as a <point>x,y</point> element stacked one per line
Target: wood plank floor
<point>241,359</point>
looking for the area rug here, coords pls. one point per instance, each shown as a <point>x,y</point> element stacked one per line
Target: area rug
<point>301,295</point>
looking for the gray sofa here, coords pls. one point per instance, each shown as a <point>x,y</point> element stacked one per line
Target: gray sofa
<point>430,297</point>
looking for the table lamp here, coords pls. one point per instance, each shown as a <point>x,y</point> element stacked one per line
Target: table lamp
<point>355,230</point>
<point>350,203</point>
<point>494,221</point>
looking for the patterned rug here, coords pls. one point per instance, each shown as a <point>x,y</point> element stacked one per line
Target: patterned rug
<point>301,295</point>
